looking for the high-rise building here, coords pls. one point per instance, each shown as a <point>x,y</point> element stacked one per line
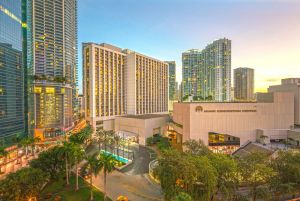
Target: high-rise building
<point>81,105</point>
<point>103,83</point>
<point>52,64</point>
<point>173,96</point>
<point>290,85</point>
<point>147,84</point>
<point>191,61</point>
<point>207,73</point>
<point>11,72</point>
<point>244,84</point>
<point>119,82</point>
<point>172,80</point>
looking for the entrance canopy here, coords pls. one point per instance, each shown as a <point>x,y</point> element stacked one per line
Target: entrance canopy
<point>133,137</point>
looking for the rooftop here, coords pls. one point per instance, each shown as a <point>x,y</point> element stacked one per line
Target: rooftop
<point>145,116</point>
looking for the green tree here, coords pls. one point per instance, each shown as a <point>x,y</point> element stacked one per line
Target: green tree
<point>67,152</point>
<point>184,172</point>
<point>183,197</point>
<point>94,167</point>
<point>196,147</point>
<point>107,163</point>
<point>17,140</point>
<point>100,138</point>
<point>23,184</point>
<point>78,153</point>
<point>287,181</point>
<point>117,140</point>
<point>50,161</point>
<point>227,176</point>
<point>25,143</point>
<point>203,187</point>
<point>3,154</point>
<point>256,173</point>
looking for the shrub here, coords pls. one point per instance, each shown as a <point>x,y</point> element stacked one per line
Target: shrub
<point>149,141</point>
<point>163,144</point>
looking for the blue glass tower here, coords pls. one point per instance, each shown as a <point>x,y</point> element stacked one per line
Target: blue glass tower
<point>11,71</point>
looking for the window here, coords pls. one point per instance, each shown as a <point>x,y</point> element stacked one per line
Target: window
<point>37,90</point>
<point>1,91</point>
<point>50,90</point>
<point>99,123</point>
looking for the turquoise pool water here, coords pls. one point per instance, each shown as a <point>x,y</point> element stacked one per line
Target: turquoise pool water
<point>118,158</point>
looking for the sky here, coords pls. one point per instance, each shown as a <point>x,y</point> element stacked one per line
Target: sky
<point>265,34</point>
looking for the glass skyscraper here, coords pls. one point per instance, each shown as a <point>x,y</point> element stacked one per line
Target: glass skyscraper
<point>52,65</point>
<point>244,84</point>
<point>207,73</point>
<point>172,80</point>
<point>11,71</point>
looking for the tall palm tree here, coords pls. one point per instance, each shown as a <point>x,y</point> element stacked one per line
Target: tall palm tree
<point>66,151</point>
<point>25,143</point>
<point>33,141</point>
<point>78,153</point>
<point>100,138</point>
<point>17,140</point>
<point>117,140</point>
<point>94,169</point>
<point>3,154</point>
<point>107,163</point>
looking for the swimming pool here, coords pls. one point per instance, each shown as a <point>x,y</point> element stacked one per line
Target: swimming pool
<point>118,158</point>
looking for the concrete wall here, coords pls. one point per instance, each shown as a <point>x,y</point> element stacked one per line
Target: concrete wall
<point>293,88</point>
<point>130,83</point>
<point>197,125</point>
<point>144,128</point>
<point>271,134</point>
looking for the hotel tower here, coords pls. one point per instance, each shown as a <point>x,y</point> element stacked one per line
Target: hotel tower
<point>119,82</point>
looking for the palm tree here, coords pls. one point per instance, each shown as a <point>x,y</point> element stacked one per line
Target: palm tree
<point>78,153</point>
<point>37,140</point>
<point>100,138</point>
<point>33,141</point>
<point>3,154</point>
<point>17,141</point>
<point>94,169</point>
<point>66,151</point>
<point>107,163</point>
<point>117,140</point>
<point>26,142</point>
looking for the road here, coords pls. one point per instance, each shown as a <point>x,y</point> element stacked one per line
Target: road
<point>133,181</point>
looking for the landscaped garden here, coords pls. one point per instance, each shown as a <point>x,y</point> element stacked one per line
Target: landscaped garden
<point>198,174</point>
<point>54,174</point>
<point>57,190</point>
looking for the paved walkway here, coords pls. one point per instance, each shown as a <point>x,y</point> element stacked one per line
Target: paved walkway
<point>133,181</point>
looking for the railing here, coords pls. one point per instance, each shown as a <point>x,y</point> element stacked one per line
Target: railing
<point>152,165</point>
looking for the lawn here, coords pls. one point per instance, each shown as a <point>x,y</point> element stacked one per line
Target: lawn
<point>58,188</point>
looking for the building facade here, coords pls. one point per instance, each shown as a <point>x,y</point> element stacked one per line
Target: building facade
<point>118,82</point>
<point>172,80</point>
<point>52,64</point>
<point>244,84</point>
<point>227,125</point>
<point>291,85</point>
<point>141,127</point>
<point>12,120</point>
<point>146,84</point>
<point>191,62</point>
<point>81,105</point>
<point>103,84</point>
<point>207,73</point>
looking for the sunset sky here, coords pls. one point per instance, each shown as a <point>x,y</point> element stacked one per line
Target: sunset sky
<point>265,34</point>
